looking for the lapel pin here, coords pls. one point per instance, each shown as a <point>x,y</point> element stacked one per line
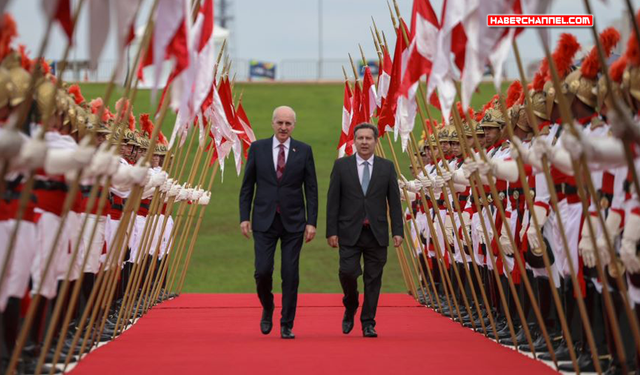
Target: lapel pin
<point>294,150</point>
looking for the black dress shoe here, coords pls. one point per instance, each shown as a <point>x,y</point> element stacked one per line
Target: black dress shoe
<point>562,353</point>
<point>347,321</point>
<point>369,331</point>
<point>266,323</point>
<point>585,363</point>
<point>285,333</point>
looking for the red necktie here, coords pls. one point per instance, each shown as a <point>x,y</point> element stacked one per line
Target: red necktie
<point>281,163</point>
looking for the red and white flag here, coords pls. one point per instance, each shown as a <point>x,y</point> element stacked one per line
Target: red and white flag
<point>60,10</point>
<point>451,40</point>
<point>250,137</point>
<point>346,119</point>
<point>125,13</point>
<point>171,39</point>
<point>387,115</point>
<point>424,25</point>
<point>357,117</point>
<point>368,95</point>
<point>502,48</point>
<point>481,41</point>
<point>384,78</point>
<point>99,31</point>
<point>221,131</point>
<point>198,80</point>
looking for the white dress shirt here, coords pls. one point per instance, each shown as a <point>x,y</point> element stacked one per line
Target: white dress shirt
<point>360,164</point>
<point>276,151</point>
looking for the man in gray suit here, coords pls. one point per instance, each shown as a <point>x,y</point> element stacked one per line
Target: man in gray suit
<point>360,189</point>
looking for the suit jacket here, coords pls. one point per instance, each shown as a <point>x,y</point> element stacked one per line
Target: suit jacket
<point>260,177</point>
<point>347,205</point>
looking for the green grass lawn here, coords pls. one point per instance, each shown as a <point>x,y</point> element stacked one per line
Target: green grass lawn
<point>223,259</point>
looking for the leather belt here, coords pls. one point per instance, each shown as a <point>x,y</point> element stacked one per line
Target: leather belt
<point>10,195</point>
<point>50,185</point>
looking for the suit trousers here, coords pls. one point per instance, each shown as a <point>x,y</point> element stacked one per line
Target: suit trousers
<point>375,257</point>
<point>265,248</point>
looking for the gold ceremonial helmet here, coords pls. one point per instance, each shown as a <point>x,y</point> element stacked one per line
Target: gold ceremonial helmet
<point>576,85</point>
<point>161,149</point>
<point>467,130</point>
<point>631,81</point>
<point>493,118</point>
<point>143,141</point>
<point>44,95</point>
<point>601,91</point>
<point>443,134</point>
<point>453,136</point>
<point>518,115</point>
<point>551,98</point>
<point>130,138</point>
<point>21,80</point>
<point>6,87</point>
<point>450,131</point>
<point>539,104</point>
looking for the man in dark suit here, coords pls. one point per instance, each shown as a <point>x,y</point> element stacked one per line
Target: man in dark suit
<point>360,189</point>
<point>276,170</point>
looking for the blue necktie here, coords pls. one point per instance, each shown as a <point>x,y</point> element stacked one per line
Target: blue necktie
<point>366,176</point>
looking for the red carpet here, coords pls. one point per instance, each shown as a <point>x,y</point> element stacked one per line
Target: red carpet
<point>219,333</point>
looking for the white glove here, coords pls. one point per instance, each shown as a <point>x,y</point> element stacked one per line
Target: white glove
<point>585,246</point>
<point>197,193</point>
<point>504,241</point>
<point>483,168</point>
<point>518,150</point>
<point>539,148</point>
<point>468,167</point>
<point>114,164</point>
<point>121,179</point>
<point>101,161</point>
<point>158,178</point>
<point>10,143</point>
<point>413,186</point>
<point>84,153</point>
<point>401,183</point>
<point>532,235</point>
<point>574,145</point>
<point>204,199</point>
<point>438,183</point>
<point>622,125</point>
<point>183,194</point>
<point>190,192</point>
<point>139,173</point>
<point>174,190</point>
<point>446,175</point>
<point>412,196</point>
<point>612,223</point>
<point>630,239</point>
<point>167,186</point>
<point>425,181</point>
<point>33,154</point>
<point>448,229</point>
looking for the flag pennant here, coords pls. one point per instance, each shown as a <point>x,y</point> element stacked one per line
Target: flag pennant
<point>386,118</point>
<point>346,119</point>
<point>60,11</point>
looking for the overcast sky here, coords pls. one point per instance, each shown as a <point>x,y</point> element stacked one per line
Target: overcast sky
<point>277,30</point>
